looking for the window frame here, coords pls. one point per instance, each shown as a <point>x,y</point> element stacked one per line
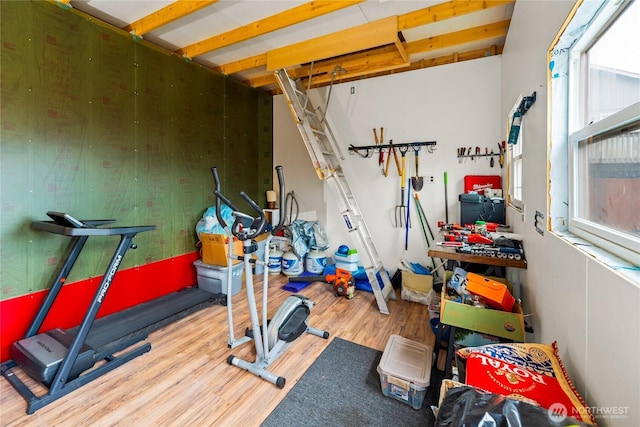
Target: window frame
<point>621,244</point>
<point>618,243</point>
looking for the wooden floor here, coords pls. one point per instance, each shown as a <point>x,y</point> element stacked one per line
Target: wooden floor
<point>185,381</point>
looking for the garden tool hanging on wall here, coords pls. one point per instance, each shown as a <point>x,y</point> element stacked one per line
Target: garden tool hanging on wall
<point>416,181</point>
<point>401,209</point>
<point>381,152</point>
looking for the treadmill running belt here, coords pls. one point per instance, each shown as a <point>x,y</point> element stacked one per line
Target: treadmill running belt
<point>120,330</point>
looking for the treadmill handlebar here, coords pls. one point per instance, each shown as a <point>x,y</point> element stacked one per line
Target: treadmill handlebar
<point>53,227</point>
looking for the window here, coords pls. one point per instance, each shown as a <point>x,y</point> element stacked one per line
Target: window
<point>515,158</point>
<point>604,131</point>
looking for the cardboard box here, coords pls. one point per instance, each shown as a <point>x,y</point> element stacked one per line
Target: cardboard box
<point>484,320</point>
<point>417,282</point>
<point>215,249</point>
<point>494,293</point>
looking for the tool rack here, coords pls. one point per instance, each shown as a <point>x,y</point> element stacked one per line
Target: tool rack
<point>464,152</point>
<point>370,149</point>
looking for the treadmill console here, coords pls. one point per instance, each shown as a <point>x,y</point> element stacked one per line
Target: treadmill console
<point>65,220</point>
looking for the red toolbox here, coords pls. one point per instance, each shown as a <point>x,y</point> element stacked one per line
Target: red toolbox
<point>478,183</point>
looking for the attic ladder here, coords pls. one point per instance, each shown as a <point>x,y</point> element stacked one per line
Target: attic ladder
<point>326,155</point>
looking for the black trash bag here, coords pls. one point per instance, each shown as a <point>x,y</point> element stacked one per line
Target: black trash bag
<point>471,407</point>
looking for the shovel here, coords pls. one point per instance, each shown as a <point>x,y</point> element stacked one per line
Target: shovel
<point>416,181</point>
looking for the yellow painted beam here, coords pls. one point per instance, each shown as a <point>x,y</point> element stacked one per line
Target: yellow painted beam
<point>497,29</point>
<point>443,11</point>
<point>263,26</point>
<point>366,36</point>
<point>167,14</point>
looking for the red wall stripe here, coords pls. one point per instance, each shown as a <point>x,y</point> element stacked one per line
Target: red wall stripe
<point>129,288</point>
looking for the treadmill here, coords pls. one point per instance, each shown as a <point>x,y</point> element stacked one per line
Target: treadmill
<point>62,360</point>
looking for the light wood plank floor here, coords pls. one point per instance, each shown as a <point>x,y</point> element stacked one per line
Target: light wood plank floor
<point>185,381</point>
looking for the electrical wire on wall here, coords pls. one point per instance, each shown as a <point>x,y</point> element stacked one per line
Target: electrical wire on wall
<point>290,201</point>
<point>335,71</point>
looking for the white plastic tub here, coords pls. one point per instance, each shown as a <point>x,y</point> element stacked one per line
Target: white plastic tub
<point>405,370</point>
<point>213,278</point>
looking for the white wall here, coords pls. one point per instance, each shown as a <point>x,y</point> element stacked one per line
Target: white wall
<point>454,105</point>
<point>591,311</point>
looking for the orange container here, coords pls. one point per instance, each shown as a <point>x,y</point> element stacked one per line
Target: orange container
<point>495,293</point>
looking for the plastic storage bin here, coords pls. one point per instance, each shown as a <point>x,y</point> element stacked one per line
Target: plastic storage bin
<point>347,261</point>
<point>213,278</point>
<point>405,370</point>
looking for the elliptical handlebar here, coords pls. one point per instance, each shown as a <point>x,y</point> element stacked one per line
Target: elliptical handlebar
<point>262,219</point>
<point>220,196</point>
<point>261,216</point>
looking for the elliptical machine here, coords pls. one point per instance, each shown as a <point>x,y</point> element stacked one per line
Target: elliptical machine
<point>271,338</point>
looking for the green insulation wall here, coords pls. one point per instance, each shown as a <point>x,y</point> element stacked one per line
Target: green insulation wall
<point>101,126</point>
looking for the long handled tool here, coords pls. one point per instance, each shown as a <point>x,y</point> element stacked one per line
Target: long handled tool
<point>401,209</point>
<point>381,152</point>
<point>446,200</point>
<point>407,224</point>
<point>423,221</point>
<point>416,181</point>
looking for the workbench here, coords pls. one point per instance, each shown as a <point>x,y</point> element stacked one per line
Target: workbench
<point>449,253</point>
<point>451,256</point>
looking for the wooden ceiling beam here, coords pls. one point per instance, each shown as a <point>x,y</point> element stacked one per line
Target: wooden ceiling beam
<point>365,62</point>
<point>275,22</point>
<point>167,14</point>
<point>366,36</point>
<point>424,63</point>
<point>359,64</point>
<point>496,29</point>
<point>354,63</point>
<point>242,64</point>
<point>421,17</point>
<point>443,11</point>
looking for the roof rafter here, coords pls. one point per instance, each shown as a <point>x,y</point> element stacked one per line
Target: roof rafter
<point>437,13</point>
<point>387,57</point>
<point>166,15</point>
<point>444,11</point>
<point>373,34</point>
<point>263,26</point>
<point>322,80</point>
<point>496,29</point>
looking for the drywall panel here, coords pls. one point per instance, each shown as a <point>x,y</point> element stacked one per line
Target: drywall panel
<point>613,328</point>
